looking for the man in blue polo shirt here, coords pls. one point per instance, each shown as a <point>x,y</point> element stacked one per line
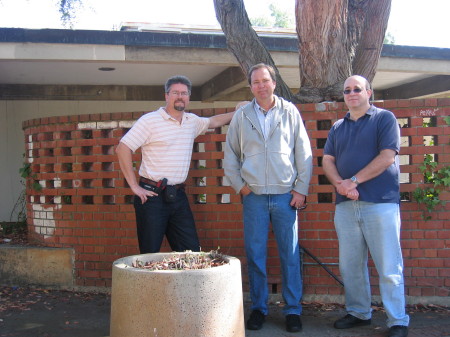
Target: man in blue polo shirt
<point>361,161</point>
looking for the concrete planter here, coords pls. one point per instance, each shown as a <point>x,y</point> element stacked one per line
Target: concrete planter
<point>205,302</point>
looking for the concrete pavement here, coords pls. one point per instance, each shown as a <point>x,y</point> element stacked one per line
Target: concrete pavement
<point>28,312</point>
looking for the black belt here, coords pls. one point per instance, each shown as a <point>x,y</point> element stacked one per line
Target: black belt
<point>155,183</point>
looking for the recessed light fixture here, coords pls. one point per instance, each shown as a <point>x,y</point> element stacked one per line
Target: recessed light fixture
<point>106,69</point>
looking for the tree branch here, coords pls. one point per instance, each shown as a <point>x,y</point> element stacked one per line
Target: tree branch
<point>374,19</point>
<point>243,41</point>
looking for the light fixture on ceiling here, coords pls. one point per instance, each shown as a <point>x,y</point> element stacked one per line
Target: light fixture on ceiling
<point>106,69</point>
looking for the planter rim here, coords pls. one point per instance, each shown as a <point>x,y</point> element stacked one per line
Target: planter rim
<point>124,263</point>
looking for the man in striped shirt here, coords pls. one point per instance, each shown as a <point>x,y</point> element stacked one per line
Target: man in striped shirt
<point>166,137</point>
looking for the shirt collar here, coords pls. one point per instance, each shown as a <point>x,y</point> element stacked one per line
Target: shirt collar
<point>369,112</point>
<point>167,117</point>
<point>261,110</point>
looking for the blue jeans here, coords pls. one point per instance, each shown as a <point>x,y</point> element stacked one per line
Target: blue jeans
<point>375,227</point>
<point>259,211</point>
<point>156,218</point>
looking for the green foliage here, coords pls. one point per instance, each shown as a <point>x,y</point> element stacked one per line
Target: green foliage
<point>429,196</point>
<point>447,120</point>
<point>427,168</point>
<point>67,199</point>
<point>261,22</point>
<point>389,38</point>
<point>25,173</point>
<point>25,170</point>
<point>36,186</point>
<point>282,18</point>
<point>68,9</point>
<point>278,18</point>
<point>201,182</point>
<point>18,216</point>
<point>429,122</point>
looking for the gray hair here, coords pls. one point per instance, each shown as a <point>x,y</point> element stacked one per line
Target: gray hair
<point>178,79</point>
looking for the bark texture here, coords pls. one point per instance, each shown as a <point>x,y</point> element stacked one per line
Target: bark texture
<point>243,41</point>
<point>337,38</point>
<point>374,16</point>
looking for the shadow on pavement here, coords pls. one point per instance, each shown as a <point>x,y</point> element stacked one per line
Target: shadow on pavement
<point>28,312</point>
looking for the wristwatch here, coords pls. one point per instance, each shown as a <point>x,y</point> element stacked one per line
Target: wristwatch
<point>354,180</point>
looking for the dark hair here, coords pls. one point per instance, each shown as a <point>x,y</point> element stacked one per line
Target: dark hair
<point>178,79</point>
<point>259,66</point>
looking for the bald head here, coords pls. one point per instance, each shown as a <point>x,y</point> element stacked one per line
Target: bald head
<point>357,94</point>
<point>361,80</point>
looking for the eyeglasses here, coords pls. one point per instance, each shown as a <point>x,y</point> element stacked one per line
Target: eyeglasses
<point>178,93</point>
<point>349,91</point>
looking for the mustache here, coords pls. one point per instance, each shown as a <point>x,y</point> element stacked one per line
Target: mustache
<point>179,107</point>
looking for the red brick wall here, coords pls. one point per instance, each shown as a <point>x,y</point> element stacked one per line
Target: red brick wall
<point>85,202</point>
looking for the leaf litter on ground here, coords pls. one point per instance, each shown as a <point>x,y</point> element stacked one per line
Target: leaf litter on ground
<point>186,261</point>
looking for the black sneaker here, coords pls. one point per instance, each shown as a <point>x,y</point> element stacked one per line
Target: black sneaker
<point>350,321</point>
<point>256,320</point>
<point>293,323</point>
<point>398,331</point>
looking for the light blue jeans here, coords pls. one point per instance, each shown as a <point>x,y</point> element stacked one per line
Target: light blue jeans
<point>259,212</point>
<point>363,226</point>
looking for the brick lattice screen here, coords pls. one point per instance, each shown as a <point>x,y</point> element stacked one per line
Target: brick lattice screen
<point>85,203</point>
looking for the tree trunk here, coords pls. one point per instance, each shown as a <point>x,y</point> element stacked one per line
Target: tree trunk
<point>243,41</point>
<point>323,42</point>
<point>337,38</point>
<point>371,39</point>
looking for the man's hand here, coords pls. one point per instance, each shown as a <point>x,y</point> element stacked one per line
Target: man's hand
<point>125,162</point>
<point>347,188</point>
<point>298,200</point>
<point>142,193</point>
<point>245,190</point>
<point>353,194</point>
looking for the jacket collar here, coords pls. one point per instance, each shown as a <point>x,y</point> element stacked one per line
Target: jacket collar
<point>250,113</point>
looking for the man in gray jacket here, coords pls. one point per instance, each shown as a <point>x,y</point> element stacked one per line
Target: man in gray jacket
<point>268,160</point>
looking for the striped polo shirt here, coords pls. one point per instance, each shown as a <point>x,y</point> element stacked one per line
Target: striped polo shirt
<point>166,145</point>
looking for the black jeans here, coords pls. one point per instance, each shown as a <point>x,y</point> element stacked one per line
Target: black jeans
<point>156,218</point>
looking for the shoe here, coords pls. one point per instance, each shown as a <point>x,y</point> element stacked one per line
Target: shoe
<point>350,321</point>
<point>256,320</point>
<point>398,331</point>
<point>293,323</point>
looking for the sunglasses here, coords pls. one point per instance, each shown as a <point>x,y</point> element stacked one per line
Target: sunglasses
<point>349,91</point>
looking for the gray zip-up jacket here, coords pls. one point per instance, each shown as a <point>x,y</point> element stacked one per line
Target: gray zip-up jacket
<point>276,165</point>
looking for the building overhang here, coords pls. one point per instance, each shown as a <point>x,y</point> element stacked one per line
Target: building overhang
<point>58,64</point>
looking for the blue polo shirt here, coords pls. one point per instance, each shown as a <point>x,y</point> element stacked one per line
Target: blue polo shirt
<point>354,144</point>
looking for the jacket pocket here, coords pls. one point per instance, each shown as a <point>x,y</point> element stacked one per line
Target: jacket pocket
<point>253,169</point>
<point>280,168</point>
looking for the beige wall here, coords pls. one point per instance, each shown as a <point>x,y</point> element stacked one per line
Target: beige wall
<point>12,146</point>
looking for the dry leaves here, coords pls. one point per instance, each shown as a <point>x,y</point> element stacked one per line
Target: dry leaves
<point>186,261</point>
<point>22,298</point>
<point>410,308</point>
